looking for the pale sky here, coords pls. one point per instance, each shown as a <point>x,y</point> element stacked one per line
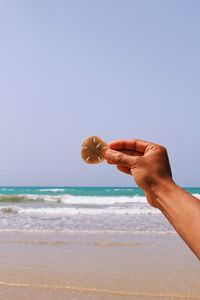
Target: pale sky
<point>117,69</point>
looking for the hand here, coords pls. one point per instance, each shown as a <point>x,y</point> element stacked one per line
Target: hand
<point>147,162</point>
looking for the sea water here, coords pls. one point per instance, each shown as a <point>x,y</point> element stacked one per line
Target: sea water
<point>80,209</point>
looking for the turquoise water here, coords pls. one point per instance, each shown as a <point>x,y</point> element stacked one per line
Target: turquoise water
<point>80,209</point>
<point>75,191</point>
<point>80,191</point>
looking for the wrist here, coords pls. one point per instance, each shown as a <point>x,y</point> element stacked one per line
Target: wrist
<point>162,190</point>
<point>162,185</point>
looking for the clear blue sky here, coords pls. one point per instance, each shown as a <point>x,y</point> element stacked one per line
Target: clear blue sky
<point>117,69</point>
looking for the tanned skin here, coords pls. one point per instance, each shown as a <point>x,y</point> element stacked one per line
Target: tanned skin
<point>149,166</point>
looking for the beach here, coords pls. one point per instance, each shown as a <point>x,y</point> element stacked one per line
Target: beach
<point>99,131</point>
<point>96,266</point>
<point>90,243</point>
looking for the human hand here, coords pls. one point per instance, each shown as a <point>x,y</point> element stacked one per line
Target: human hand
<point>147,162</point>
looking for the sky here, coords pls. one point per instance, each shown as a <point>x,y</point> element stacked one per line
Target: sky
<point>119,69</point>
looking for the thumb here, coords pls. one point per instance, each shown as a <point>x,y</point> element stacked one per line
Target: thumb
<point>118,158</point>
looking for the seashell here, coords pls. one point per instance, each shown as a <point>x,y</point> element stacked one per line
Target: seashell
<point>93,150</point>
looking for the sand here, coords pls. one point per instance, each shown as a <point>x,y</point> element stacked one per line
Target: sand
<point>85,265</point>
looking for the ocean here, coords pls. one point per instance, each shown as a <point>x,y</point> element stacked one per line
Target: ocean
<point>93,209</point>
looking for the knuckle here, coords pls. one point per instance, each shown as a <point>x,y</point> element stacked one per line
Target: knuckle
<point>163,149</point>
<point>136,161</point>
<point>118,157</point>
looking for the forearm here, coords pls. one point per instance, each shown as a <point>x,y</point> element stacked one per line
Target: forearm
<point>182,210</point>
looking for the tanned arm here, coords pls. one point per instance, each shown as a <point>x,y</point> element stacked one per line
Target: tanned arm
<point>148,163</point>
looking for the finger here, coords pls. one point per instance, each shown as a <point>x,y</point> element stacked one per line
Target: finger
<point>118,158</point>
<point>110,162</point>
<point>124,169</point>
<point>136,145</point>
<point>131,152</point>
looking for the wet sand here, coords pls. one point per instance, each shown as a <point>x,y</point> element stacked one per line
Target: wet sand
<point>93,265</point>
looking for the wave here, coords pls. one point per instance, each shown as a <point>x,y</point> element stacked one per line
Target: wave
<point>73,200</point>
<point>89,231</point>
<point>12,198</point>
<point>75,191</point>
<point>52,190</point>
<point>77,200</point>
<point>9,210</point>
<point>72,211</point>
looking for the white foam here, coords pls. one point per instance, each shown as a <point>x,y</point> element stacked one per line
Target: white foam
<point>9,209</point>
<point>81,200</point>
<point>52,190</point>
<point>65,211</point>
<point>197,196</point>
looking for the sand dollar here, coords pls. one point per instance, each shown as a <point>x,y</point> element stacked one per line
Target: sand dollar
<point>93,150</point>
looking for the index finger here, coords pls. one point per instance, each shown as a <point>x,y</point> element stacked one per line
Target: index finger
<point>136,145</point>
